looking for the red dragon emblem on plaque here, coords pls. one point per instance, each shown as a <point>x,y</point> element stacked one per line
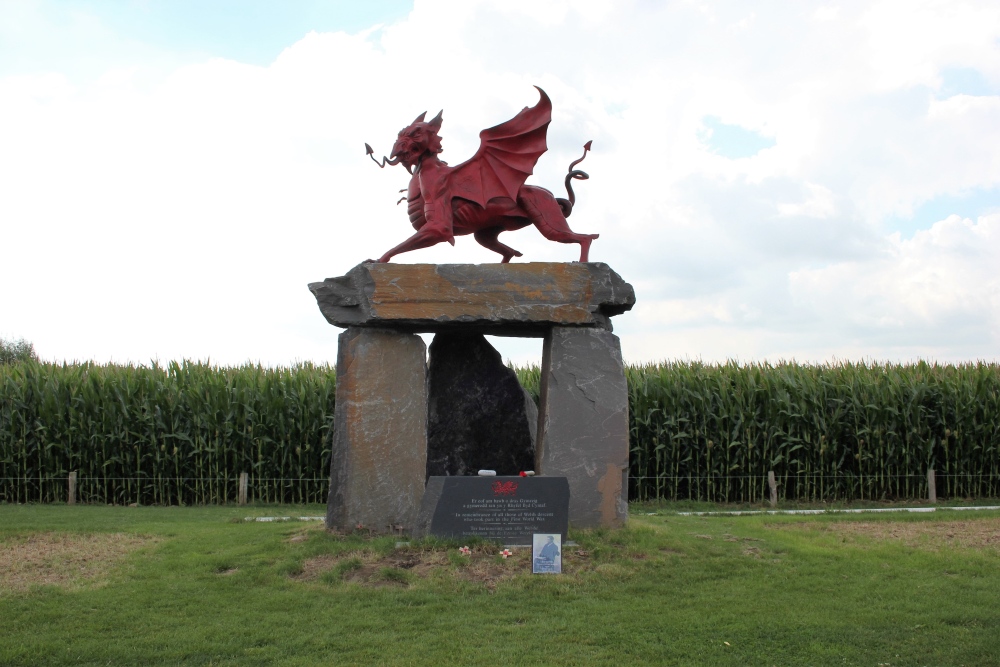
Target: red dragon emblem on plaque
<point>504,488</point>
<point>485,195</point>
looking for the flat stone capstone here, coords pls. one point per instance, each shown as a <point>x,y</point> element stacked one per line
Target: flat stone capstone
<point>500,299</point>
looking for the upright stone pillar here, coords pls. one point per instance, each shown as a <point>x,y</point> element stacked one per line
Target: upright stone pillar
<point>583,423</point>
<point>379,457</point>
<point>478,416</point>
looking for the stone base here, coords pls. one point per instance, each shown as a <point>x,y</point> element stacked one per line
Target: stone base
<point>475,412</point>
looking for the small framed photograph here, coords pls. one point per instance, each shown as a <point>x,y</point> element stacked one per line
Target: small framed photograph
<point>546,553</point>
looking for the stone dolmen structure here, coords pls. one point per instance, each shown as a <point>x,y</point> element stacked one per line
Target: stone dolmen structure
<point>402,418</point>
<point>405,428</point>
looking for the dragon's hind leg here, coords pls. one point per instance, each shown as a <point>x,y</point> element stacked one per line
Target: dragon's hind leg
<point>488,239</point>
<point>546,214</point>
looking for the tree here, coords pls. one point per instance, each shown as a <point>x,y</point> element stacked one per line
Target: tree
<point>14,351</point>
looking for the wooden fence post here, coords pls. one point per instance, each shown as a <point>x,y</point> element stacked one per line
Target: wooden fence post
<point>773,485</point>
<point>931,486</point>
<point>243,489</point>
<point>71,499</point>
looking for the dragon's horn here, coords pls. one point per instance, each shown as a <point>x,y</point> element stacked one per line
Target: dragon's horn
<point>436,121</point>
<point>420,118</point>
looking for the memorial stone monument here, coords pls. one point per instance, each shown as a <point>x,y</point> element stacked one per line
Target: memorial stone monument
<point>402,423</point>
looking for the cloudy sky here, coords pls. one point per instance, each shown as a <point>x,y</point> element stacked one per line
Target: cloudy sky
<point>778,180</point>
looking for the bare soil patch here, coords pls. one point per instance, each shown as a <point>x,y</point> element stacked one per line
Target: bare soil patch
<point>931,535</point>
<point>304,533</point>
<point>69,560</point>
<point>402,567</point>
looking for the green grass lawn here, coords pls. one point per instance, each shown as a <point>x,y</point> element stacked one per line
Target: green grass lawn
<point>168,585</point>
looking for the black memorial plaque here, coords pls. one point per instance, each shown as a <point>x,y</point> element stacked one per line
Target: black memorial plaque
<point>506,509</point>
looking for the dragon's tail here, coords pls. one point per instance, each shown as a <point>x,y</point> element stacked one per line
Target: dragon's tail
<point>567,204</point>
<point>385,161</point>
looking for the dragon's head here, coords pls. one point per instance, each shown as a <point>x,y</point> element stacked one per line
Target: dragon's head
<point>415,140</point>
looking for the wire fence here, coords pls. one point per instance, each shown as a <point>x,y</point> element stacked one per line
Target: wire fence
<point>814,487</point>
<point>164,490</point>
<point>301,490</point>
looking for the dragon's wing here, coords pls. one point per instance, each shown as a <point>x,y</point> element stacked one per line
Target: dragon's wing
<point>506,157</point>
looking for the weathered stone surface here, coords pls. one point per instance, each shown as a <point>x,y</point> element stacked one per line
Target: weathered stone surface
<point>508,509</point>
<point>428,505</point>
<point>379,453</point>
<point>505,299</point>
<point>479,417</point>
<point>583,427</point>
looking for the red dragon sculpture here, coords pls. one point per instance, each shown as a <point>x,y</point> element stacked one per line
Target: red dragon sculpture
<point>485,195</point>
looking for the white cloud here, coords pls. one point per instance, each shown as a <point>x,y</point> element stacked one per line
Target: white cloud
<point>817,203</point>
<point>911,42</point>
<point>182,215</point>
<point>936,295</point>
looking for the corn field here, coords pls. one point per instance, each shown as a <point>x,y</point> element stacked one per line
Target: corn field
<point>833,432</point>
<point>175,435</point>
<point>183,433</point>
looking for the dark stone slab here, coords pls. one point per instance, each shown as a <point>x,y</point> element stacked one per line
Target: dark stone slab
<point>583,427</point>
<point>379,457</point>
<point>478,415</point>
<point>506,509</point>
<point>504,299</point>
